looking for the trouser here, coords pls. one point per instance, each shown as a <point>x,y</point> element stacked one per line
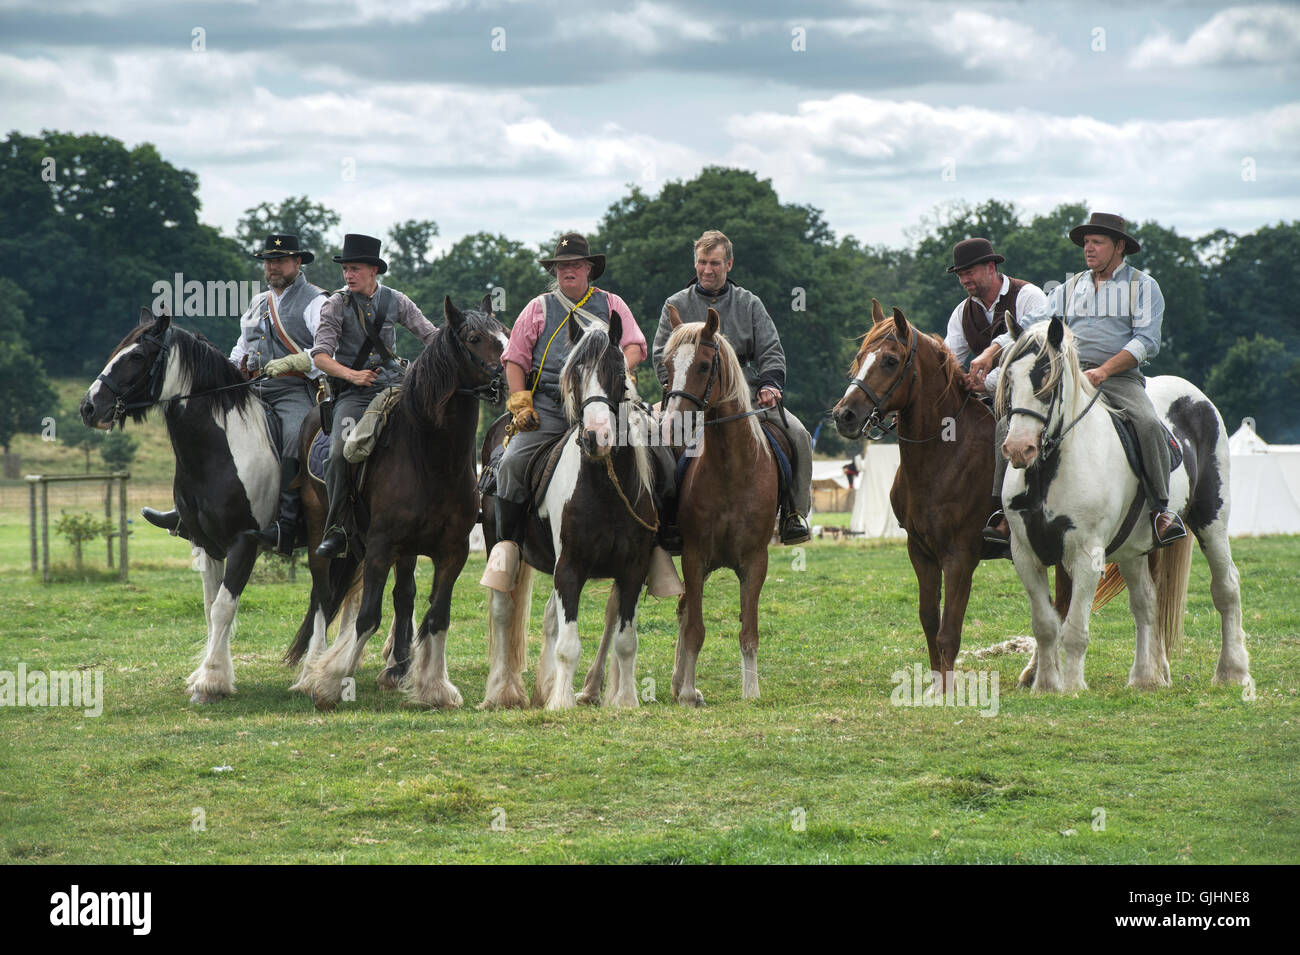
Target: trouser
<point>348,409</point>
<point>512,475</point>
<point>1127,392</point>
<point>291,399</point>
<point>801,443</point>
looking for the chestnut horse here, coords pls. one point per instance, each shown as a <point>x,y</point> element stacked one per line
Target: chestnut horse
<point>941,491</point>
<point>728,498</point>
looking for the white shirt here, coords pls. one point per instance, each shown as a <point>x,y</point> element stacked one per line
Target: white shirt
<point>1030,299</point>
<point>251,321</point>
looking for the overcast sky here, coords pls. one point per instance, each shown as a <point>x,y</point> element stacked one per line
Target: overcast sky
<point>529,118</point>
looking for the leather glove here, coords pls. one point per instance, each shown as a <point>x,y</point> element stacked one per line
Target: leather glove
<point>300,362</point>
<point>520,404</point>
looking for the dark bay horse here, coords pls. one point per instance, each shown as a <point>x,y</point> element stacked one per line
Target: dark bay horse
<point>227,468</point>
<point>941,491</point>
<point>421,496</point>
<point>596,520</point>
<point>728,499</point>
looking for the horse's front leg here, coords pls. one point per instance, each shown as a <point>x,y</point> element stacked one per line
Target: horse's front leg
<point>622,670</point>
<point>1047,626</point>
<point>928,581</point>
<point>1084,574</point>
<point>690,631</point>
<point>215,676</point>
<point>427,683</point>
<point>1146,672</point>
<point>957,574</point>
<point>568,647</point>
<point>343,658</point>
<point>752,576</point>
<point>397,648</point>
<point>591,687</point>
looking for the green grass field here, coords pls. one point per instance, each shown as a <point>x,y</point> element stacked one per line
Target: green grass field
<point>822,768</point>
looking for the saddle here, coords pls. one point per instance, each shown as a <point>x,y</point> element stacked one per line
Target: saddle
<point>542,467</point>
<point>781,450</point>
<point>1132,452</point>
<point>318,461</point>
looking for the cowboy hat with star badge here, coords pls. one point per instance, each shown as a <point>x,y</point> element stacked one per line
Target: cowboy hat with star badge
<point>572,247</point>
<point>282,244</point>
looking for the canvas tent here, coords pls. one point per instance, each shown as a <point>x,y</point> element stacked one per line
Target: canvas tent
<point>873,515</point>
<point>1265,485</point>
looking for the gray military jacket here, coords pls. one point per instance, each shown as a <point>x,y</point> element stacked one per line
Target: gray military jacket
<point>745,322</point>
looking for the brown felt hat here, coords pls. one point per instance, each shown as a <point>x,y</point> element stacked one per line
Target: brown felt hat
<point>970,252</point>
<point>573,247</point>
<point>1103,223</point>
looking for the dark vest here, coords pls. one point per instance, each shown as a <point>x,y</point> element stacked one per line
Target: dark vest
<point>351,337</point>
<point>549,382</point>
<point>979,334</point>
<point>266,344</point>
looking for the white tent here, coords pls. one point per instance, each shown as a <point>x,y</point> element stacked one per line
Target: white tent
<point>1265,485</point>
<point>873,515</point>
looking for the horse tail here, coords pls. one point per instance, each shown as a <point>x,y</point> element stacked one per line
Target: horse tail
<point>1173,567</point>
<point>302,639</point>
<point>1110,586</point>
<point>517,634</point>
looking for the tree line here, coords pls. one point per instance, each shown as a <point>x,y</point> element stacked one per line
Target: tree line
<point>89,227</point>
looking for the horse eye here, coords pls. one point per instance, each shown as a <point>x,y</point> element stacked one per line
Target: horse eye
<point>890,361</point>
<point>702,367</point>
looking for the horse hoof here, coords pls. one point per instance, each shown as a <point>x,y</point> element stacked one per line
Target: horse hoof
<point>389,678</point>
<point>323,704</point>
<point>587,699</point>
<point>696,700</point>
<point>199,696</point>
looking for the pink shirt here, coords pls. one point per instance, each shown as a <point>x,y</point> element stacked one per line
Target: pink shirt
<point>528,327</point>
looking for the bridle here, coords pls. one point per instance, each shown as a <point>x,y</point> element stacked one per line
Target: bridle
<point>1052,442</point>
<point>715,369</point>
<point>873,420</point>
<point>494,389</point>
<point>153,383</point>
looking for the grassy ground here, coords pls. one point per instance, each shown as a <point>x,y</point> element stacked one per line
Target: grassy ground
<point>822,768</point>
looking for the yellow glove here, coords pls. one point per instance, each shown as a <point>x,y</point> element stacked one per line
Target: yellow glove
<point>520,404</point>
<point>300,362</point>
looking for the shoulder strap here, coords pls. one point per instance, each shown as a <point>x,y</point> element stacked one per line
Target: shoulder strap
<point>1069,292</point>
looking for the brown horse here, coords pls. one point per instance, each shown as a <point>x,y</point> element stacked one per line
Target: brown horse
<point>728,498</point>
<point>941,491</point>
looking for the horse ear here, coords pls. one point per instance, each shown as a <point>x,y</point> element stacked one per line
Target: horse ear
<point>454,318</point>
<point>673,318</point>
<point>1056,332</point>
<point>147,317</point>
<point>1013,326</point>
<point>615,328</point>
<point>485,306</point>
<point>877,313</point>
<point>711,324</point>
<point>900,321</point>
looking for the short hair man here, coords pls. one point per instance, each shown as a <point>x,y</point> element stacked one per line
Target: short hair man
<point>752,333</point>
<point>274,333</point>
<point>1116,313</point>
<point>355,345</point>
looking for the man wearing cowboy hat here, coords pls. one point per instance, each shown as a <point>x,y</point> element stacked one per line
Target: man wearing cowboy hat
<point>752,333</point>
<point>355,345</point>
<point>274,334</point>
<point>981,316</point>
<point>539,344</point>
<point>1115,312</point>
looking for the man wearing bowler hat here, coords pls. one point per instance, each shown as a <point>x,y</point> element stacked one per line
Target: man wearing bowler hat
<point>1116,313</point>
<point>539,344</point>
<point>990,297</point>
<point>355,345</point>
<point>275,334</point>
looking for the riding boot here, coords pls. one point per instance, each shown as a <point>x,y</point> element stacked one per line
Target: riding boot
<point>794,526</point>
<point>670,534</point>
<point>282,533</point>
<point>169,521</point>
<point>502,569</point>
<point>1166,526</point>
<point>996,535</point>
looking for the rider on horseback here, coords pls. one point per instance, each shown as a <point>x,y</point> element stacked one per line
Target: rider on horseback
<point>355,346</point>
<point>1116,318</point>
<point>274,334</point>
<point>753,335</point>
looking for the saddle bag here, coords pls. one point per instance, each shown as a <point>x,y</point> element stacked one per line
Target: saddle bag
<point>365,436</point>
<point>326,407</point>
<point>487,480</point>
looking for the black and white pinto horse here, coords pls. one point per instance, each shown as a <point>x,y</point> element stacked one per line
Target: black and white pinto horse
<point>421,496</point>
<point>1072,499</point>
<point>600,514</point>
<point>227,469</point>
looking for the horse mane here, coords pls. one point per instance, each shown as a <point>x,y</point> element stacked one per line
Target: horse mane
<point>592,353</point>
<point>731,385</point>
<point>948,365</point>
<point>1034,339</point>
<point>203,367</point>
<point>432,379</point>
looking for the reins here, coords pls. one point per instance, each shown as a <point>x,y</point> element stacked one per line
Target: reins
<point>1052,442</point>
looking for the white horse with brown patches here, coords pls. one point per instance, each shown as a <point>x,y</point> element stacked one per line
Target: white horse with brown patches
<point>1071,498</point>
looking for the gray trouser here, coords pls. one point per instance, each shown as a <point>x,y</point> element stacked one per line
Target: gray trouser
<point>1127,392</point>
<point>348,409</point>
<point>513,471</point>
<point>290,398</point>
<point>801,442</point>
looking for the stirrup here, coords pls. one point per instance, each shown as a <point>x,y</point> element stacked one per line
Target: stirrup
<point>991,534</point>
<point>335,543</point>
<point>1176,531</point>
<point>794,529</point>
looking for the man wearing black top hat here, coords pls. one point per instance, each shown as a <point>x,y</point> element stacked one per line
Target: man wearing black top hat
<point>356,345</point>
<point>1116,313</point>
<point>275,334</point>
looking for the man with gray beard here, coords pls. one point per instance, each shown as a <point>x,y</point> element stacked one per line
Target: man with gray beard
<point>275,335</point>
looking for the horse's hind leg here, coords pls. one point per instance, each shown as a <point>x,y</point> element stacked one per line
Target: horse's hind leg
<point>397,649</point>
<point>215,676</point>
<point>591,687</point>
<point>622,669</point>
<point>1149,667</point>
<point>1225,590</point>
<point>752,576</point>
<point>546,659</point>
<point>426,684</point>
